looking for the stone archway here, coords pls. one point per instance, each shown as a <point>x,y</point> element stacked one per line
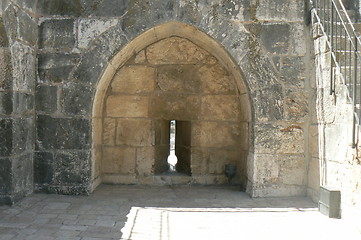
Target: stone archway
<point>171,72</point>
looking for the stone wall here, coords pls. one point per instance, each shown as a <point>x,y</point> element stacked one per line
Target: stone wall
<point>334,162</point>
<point>262,43</point>
<point>19,36</point>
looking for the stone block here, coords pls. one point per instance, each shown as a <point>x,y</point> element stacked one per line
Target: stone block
<point>218,158</point>
<point>275,37</point>
<point>89,29</point>
<point>146,160</point>
<point>6,137</point>
<point>134,132</point>
<point>28,28</point>
<point>175,106</point>
<point>280,10</point>
<point>43,167</point>
<point>5,69</point>
<point>59,7</point>
<point>4,42</point>
<point>23,61</point>
<point>293,71</point>
<point>11,21</point>
<point>127,106</point>
<point>313,141</point>
<point>57,33</point>
<point>134,80</point>
<point>292,169</point>
<point>5,176</point>
<point>63,133</point>
<point>23,135</point>
<point>179,79</point>
<point>215,134</point>
<point>216,79</point>
<point>221,108</point>
<point>77,98</point>
<point>269,104</point>
<point>6,103</point>
<point>109,131</point>
<point>56,67</point>
<point>175,50</point>
<point>296,105</point>
<point>119,160</point>
<point>72,167</point>
<point>272,139</point>
<point>298,39</point>
<point>22,174</point>
<point>104,8</point>
<point>314,174</point>
<point>200,160</point>
<point>23,103</point>
<point>46,98</point>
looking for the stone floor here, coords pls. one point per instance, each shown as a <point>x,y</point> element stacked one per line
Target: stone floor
<point>188,212</point>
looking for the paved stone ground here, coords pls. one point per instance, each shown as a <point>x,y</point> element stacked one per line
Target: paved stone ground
<point>188,212</point>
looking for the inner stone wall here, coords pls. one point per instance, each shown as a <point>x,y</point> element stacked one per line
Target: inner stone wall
<point>173,79</point>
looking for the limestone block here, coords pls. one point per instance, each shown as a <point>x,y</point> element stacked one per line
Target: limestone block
<point>109,131</point>
<point>218,158</point>
<point>62,8</point>
<point>279,139</point>
<point>280,10</point>
<point>105,8</point>
<point>88,29</point>
<point>216,79</point>
<point>292,169</point>
<point>134,79</point>
<point>175,50</point>
<point>199,160</point>
<point>127,106</point>
<point>313,141</point>
<point>298,45</point>
<point>293,71</point>
<point>134,132</point>
<point>23,61</point>
<point>57,33</point>
<point>266,169</point>
<point>314,174</point>
<point>5,69</point>
<point>6,103</point>
<point>221,107</point>
<point>140,57</point>
<point>145,160</point>
<point>296,105</point>
<point>77,98</point>
<point>275,37</point>
<point>46,98</point>
<point>118,160</point>
<point>28,28</point>
<point>175,106</point>
<point>216,134</point>
<point>179,78</point>
<point>269,104</point>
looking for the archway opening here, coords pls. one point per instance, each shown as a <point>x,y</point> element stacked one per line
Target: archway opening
<point>171,74</point>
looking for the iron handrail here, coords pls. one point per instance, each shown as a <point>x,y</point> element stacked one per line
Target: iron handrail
<point>332,15</point>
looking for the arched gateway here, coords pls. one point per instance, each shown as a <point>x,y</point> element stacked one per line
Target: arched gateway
<point>170,72</point>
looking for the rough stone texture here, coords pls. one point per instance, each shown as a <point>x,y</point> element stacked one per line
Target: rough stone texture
<point>134,80</point>
<point>57,33</point>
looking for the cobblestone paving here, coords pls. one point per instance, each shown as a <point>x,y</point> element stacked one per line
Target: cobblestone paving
<point>164,213</point>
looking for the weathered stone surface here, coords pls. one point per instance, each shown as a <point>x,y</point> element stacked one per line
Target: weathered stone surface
<point>298,39</point>
<point>43,167</point>
<point>63,133</point>
<point>46,98</point>
<point>109,131</point>
<point>23,103</point>
<point>279,139</point>
<point>28,28</point>
<point>151,160</point>
<point>77,98</point>
<point>218,158</point>
<point>4,41</point>
<point>175,50</point>
<point>216,79</point>
<point>179,79</point>
<point>221,107</point>
<point>215,134</point>
<point>5,69</point>
<point>71,167</point>
<point>11,22</point>
<point>104,8</point>
<point>313,141</point>
<point>134,79</point>
<point>59,7</point>
<point>57,33</point>
<point>23,135</point>
<point>127,106</point>
<point>88,29</point>
<point>5,176</point>
<point>23,61</point>
<point>56,67</point>
<point>293,71</point>
<point>296,105</point>
<point>269,104</point>
<point>200,160</point>
<point>118,160</point>
<point>175,106</point>
<point>275,37</point>
<point>6,137</point>
<point>134,132</point>
<point>280,10</point>
<point>6,103</point>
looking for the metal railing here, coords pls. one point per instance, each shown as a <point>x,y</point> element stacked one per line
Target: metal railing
<point>344,44</point>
